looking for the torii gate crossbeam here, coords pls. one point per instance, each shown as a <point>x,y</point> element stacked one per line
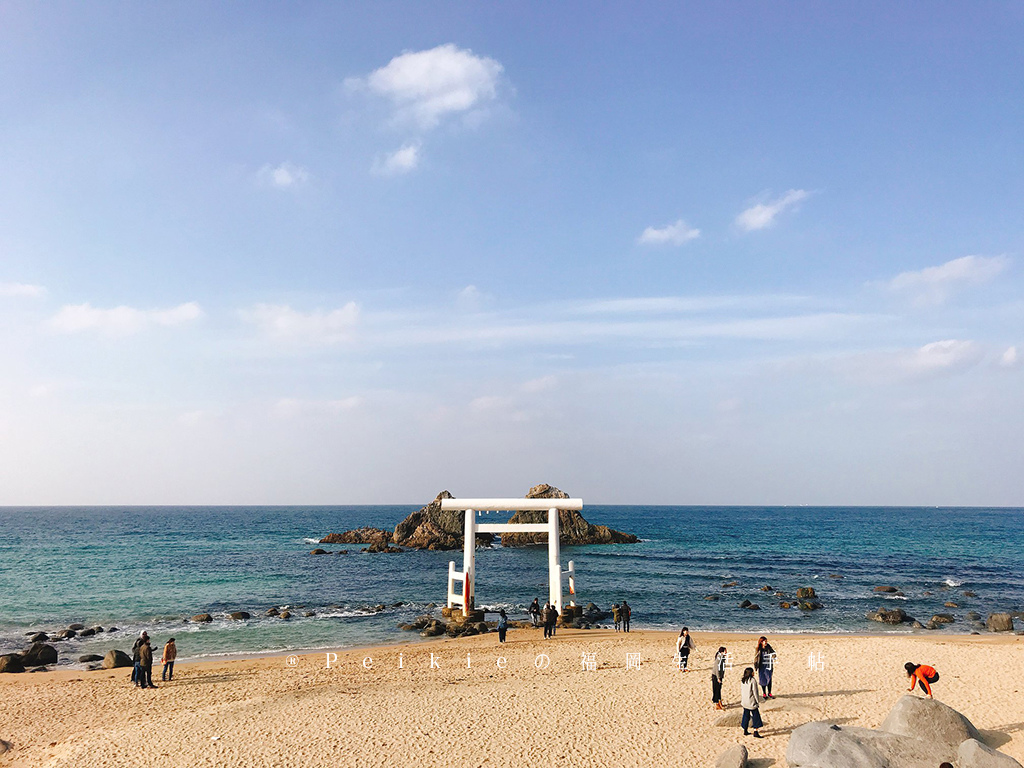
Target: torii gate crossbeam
<point>465,597</point>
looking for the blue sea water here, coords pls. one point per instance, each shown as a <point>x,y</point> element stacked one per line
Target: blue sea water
<point>150,567</point>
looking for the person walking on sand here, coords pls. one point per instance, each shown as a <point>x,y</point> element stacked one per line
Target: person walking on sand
<point>750,701</point>
<point>764,663</point>
<point>626,615</point>
<point>617,616</point>
<point>684,644</point>
<point>146,664</point>
<point>136,666</point>
<point>534,612</point>
<point>717,676</point>
<point>922,675</point>
<point>502,625</point>
<point>170,654</point>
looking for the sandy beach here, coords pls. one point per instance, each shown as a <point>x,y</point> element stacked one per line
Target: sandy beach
<point>389,706</point>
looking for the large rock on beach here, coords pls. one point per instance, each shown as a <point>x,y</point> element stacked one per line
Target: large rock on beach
<point>12,662</point>
<point>735,757</point>
<point>824,745</point>
<point>88,658</point>
<point>76,627</point>
<point>202,618</point>
<point>973,754</point>
<point>932,720</point>
<point>573,528</point>
<point>115,659</point>
<point>240,616</point>
<point>39,654</point>
<point>999,622</point>
<point>42,637</point>
<point>65,634</point>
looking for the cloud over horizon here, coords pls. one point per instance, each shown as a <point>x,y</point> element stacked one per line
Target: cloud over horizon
<point>122,320</point>
<point>21,290</point>
<point>317,327</point>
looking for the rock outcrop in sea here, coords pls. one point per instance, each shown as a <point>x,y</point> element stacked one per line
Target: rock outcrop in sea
<point>573,529</point>
<point>434,528</point>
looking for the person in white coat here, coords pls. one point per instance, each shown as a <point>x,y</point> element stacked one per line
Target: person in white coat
<point>750,700</point>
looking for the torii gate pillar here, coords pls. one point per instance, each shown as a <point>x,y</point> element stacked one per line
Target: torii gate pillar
<point>554,561</point>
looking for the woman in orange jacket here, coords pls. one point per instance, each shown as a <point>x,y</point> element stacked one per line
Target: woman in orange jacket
<point>922,675</point>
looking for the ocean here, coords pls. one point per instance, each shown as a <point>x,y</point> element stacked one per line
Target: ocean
<point>151,567</point>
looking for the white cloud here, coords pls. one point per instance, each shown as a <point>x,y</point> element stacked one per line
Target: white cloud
<point>673,234</point>
<point>947,355</point>
<point>284,176</point>
<point>402,160</point>
<point>543,384</point>
<point>470,299</point>
<point>290,407</point>
<point>22,290</point>
<point>685,304</point>
<point>1009,358</point>
<point>123,320</point>
<point>279,321</point>
<point>934,285</point>
<point>426,86</point>
<point>763,215</point>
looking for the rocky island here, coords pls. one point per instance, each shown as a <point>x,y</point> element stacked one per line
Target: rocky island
<point>434,528</point>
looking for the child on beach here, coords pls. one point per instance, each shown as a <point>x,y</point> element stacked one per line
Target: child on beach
<point>764,661</point>
<point>750,701</point>
<point>684,644</point>
<point>922,675</point>
<point>717,676</point>
<point>170,654</point>
<point>502,625</point>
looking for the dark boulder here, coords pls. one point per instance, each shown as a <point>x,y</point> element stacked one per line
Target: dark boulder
<point>806,593</point>
<point>202,618</point>
<point>273,612</point>
<point>89,657</point>
<point>12,662</point>
<point>39,637</point>
<point>240,616</point>
<point>76,627</point>
<point>284,615</point>
<point>810,605</point>
<point>364,535</point>
<point>895,616</point>
<point>87,632</point>
<point>999,622</point>
<point>943,618</point>
<point>115,659</point>
<point>65,634</point>
<point>887,590</point>
<point>319,551</point>
<point>39,654</point>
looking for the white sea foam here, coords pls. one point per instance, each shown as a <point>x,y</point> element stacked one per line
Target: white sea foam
<point>952,583</point>
<point>308,540</point>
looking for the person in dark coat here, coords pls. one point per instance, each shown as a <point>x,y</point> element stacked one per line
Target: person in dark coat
<point>627,613</point>
<point>764,661</point>
<point>146,664</point>
<point>502,625</point>
<point>136,666</point>
<point>535,612</point>
<point>549,615</point>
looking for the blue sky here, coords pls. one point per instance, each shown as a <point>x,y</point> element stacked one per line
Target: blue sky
<point>323,253</point>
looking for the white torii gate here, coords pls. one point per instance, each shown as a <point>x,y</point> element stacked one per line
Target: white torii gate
<point>464,597</point>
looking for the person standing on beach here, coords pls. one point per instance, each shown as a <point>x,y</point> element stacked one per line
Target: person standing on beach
<point>717,676</point>
<point>170,654</point>
<point>922,675</point>
<point>764,662</point>
<point>136,665</point>
<point>626,615</point>
<point>146,664</point>
<point>535,611</point>
<point>546,617</point>
<point>616,616</point>
<point>684,644</point>
<point>750,701</point>
<point>502,625</point>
